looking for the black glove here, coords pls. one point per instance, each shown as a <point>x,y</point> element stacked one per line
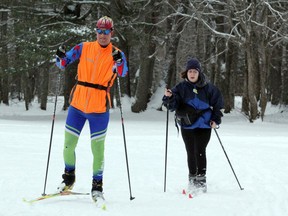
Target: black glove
<point>61,51</point>
<point>117,57</point>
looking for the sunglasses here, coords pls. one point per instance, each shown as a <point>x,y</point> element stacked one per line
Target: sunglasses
<point>105,32</point>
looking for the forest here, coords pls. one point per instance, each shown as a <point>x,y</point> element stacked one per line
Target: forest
<point>241,44</point>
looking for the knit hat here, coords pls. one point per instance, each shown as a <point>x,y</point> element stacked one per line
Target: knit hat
<point>193,64</point>
<point>104,22</point>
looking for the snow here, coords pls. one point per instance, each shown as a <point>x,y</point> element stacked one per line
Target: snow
<point>257,152</point>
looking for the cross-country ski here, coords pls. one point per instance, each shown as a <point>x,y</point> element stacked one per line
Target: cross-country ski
<point>53,195</point>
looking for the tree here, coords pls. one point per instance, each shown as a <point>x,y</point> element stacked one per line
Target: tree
<point>4,83</point>
<point>242,46</point>
<point>175,26</point>
<point>147,55</point>
<point>245,27</point>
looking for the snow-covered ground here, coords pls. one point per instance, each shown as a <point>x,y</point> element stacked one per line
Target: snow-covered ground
<point>258,153</point>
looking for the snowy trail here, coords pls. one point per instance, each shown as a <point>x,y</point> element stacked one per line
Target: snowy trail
<point>258,153</point>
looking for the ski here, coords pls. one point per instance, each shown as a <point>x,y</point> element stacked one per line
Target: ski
<point>190,195</point>
<point>99,200</point>
<point>48,196</point>
<point>101,203</point>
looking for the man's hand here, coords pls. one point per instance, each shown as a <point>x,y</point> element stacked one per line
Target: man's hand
<point>117,57</point>
<point>61,51</point>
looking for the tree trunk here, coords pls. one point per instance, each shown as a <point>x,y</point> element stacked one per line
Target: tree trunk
<point>70,74</point>
<point>4,74</point>
<point>227,85</point>
<point>245,98</point>
<point>119,12</point>
<point>175,27</point>
<point>264,67</point>
<point>251,87</point>
<point>27,89</point>
<point>143,91</point>
<point>44,83</point>
<point>284,69</point>
<point>275,81</point>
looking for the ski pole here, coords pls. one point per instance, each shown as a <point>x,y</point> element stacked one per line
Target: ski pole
<point>228,159</point>
<point>52,129</point>
<point>166,146</point>
<point>123,130</point>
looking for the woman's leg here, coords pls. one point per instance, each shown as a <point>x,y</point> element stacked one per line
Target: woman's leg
<point>188,138</point>
<point>202,138</point>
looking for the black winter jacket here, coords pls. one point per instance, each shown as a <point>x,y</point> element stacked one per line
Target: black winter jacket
<point>201,96</point>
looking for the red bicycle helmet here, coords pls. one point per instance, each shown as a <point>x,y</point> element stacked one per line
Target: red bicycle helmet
<point>104,22</point>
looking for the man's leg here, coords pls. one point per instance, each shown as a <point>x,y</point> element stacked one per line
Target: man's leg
<point>74,125</point>
<point>98,128</point>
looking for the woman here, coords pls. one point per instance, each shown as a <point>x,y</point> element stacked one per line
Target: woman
<point>198,105</point>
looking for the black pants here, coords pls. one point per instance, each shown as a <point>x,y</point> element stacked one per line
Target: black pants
<point>196,141</point>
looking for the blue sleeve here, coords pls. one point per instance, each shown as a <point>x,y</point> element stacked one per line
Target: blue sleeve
<point>122,67</point>
<point>71,56</point>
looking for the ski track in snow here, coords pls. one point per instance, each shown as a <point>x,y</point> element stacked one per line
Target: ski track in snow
<point>257,152</point>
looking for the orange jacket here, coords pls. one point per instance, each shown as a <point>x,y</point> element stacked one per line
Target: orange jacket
<point>95,66</point>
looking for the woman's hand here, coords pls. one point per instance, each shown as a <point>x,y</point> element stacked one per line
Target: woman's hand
<point>168,92</point>
<point>213,124</point>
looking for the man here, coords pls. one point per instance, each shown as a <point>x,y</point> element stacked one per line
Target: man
<point>90,100</point>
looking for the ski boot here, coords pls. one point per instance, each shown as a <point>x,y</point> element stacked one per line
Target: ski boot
<point>191,182</point>
<point>68,181</point>
<point>97,190</point>
<point>200,183</point>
